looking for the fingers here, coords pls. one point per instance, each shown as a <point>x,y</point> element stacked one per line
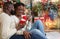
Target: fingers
<point>27,36</point>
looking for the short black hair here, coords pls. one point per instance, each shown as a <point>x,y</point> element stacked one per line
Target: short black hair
<point>18,4</point>
<point>5,6</point>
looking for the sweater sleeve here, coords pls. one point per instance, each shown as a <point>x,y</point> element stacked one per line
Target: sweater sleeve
<point>20,32</point>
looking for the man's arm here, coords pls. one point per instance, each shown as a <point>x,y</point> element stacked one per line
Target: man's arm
<point>6,24</point>
<point>20,32</point>
<point>24,32</point>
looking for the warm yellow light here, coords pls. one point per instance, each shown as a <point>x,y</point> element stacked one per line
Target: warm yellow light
<point>50,24</point>
<point>54,0</point>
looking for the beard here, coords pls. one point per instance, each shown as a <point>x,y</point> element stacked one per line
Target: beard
<point>12,12</point>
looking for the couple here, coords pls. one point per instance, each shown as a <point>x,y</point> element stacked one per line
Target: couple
<point>9,28</point>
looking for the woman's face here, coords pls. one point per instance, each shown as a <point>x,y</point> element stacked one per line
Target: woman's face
<point>20,10</point>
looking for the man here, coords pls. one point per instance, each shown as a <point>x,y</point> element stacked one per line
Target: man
<point>6,31</point>
<point>36,31</point>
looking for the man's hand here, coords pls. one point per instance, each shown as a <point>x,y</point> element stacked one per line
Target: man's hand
<point>18,27</point>
<point>26,35</point>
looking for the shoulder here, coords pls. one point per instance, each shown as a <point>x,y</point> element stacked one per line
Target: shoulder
<point>15,18</point>
<point>4,16</point>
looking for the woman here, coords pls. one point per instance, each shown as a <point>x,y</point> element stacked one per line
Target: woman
<point>36,31</point>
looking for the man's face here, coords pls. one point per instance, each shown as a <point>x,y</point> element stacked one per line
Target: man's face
<point>11,7</point>
<point>20,10</point>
